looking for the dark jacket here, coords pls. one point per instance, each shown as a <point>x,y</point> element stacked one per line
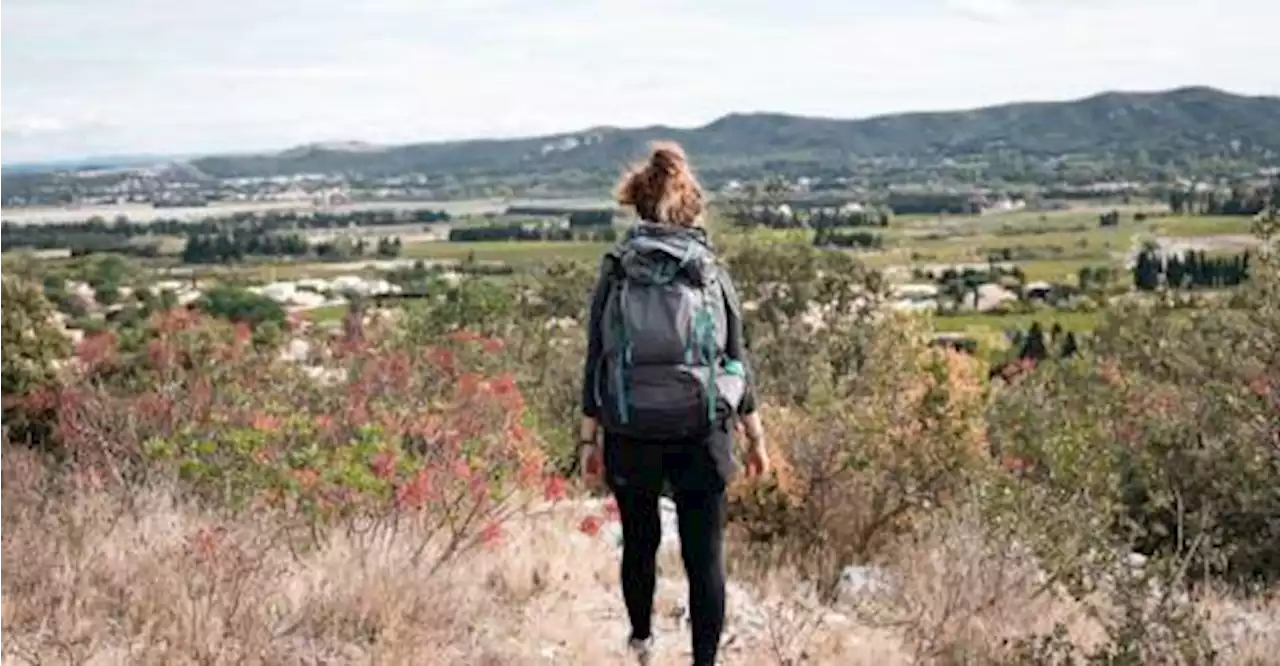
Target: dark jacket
<point>735,347</point>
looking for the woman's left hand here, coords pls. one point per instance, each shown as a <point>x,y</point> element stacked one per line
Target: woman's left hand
<point>590,455</point>
<point>591,462</point>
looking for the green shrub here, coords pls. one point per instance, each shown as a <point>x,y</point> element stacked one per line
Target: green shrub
<point>32,347</point>
<point>869,455</point>
<point>1169,427</point>
<point>241,305</point>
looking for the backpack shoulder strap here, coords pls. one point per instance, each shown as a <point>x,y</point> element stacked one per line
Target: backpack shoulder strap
<point>733,302</point>
<point>736,344</point>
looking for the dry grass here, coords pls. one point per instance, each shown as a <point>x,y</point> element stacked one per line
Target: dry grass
<point>956,593</point>
<point>1247,632</point>
<point>94,579</point>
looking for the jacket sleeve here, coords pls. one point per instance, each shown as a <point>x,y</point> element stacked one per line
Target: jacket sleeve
<point>595,342</point>
<point>736,346</point>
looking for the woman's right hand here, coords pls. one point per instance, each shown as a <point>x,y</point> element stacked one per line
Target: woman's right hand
<point>758,463</point>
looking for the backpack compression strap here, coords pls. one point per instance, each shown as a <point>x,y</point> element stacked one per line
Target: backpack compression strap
<point>623,336</point>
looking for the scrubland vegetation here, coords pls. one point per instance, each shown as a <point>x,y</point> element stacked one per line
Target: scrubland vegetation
<point>402,493</point>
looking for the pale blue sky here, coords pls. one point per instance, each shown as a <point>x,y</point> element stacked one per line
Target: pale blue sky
<point>92,77</point>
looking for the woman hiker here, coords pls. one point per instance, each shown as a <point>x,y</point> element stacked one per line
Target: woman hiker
<point>665,380</point>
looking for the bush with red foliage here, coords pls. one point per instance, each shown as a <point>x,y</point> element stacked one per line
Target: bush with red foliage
<point>384,432</point>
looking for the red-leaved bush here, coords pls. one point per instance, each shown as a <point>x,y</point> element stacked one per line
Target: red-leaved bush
<point>375,431</point>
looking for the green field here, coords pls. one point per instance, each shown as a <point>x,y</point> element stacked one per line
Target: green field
<point>272,271</point>
<point>1067,270</point>
<point>512,252</point>
<point>1188,226</point>
<point>326,314</point>
<point>1058,244</point>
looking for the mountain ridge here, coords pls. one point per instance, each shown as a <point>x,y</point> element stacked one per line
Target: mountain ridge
<point>1193,120</point>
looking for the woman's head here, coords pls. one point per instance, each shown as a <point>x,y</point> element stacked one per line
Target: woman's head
<point>663,189</point>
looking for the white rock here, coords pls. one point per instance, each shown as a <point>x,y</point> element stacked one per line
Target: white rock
<point>280,292</point>
<point>859,580</point>
<point>296,350</point>
<point>308,299</point>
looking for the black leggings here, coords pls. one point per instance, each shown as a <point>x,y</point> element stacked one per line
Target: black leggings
<point>701,520</point>
<point>697,472</point>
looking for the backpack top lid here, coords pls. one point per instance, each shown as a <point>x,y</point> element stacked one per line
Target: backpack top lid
<point>655,253</point>
<point>662,229</point>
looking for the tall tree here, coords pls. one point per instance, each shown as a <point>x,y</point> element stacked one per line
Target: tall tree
<point>1033,347</point>
<point>1147,269</point>
<point>1069,345</point>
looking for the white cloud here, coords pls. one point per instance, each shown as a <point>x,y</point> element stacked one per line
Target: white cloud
<point>38,127</point>
<point>986,10</point>
<point>32,126</point>
<point>234,75</point>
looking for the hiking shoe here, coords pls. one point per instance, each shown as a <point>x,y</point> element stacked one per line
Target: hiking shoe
<point>642,649</point>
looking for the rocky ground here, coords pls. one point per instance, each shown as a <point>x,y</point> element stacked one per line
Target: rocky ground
<point>774,623</point>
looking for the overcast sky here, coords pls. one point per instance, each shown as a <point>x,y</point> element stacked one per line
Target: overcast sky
<point>94,77</point>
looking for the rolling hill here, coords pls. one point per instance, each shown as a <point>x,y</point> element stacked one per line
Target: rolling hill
<point>1196,121</point>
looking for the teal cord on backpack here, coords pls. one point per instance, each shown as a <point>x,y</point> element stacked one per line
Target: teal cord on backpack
<point>705,333</point>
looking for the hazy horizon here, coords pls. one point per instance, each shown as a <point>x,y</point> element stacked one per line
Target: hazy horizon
<point>103,157</point>
<point>85,80</point>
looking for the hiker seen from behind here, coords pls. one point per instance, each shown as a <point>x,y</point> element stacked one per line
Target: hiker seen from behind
<point>666,381</point>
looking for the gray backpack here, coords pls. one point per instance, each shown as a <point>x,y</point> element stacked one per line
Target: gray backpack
<point>663,374</point>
